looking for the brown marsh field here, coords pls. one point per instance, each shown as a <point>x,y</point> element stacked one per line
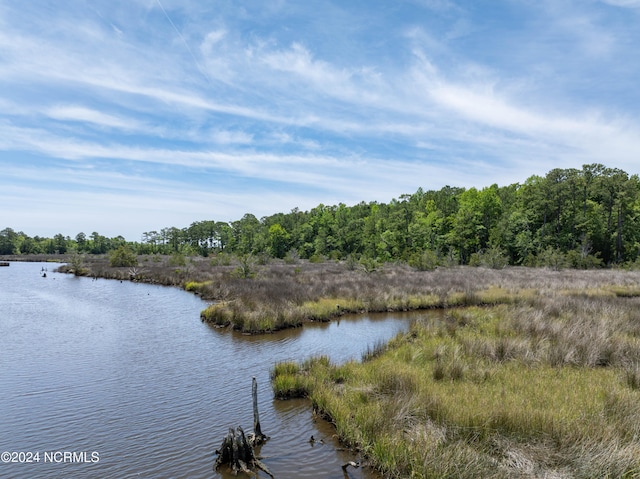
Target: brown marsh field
<point>517,372</point>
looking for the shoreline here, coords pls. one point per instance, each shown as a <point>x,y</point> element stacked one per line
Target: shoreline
<point>278,295</point>
<point>547,385</point>
<point>528,371</point>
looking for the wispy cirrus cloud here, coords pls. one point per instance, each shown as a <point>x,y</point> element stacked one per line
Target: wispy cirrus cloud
<point>623,3</point>
<point>299,106</point>
<point>83,114</point>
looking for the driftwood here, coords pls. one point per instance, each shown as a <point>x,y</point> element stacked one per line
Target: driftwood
<point>237,450</point>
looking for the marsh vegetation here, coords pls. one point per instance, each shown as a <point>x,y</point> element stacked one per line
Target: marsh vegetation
<point>513,372</point>
<point>544,384</point>
<point>529,370</point>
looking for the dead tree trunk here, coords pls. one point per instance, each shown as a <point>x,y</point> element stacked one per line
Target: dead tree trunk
<point>237,451</point>
<point>258,437</point>
<point>238,454</point>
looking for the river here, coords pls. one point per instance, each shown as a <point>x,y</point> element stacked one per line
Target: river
<point>110,379</point>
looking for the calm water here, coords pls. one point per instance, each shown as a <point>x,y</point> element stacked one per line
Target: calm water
<point>128,375</point>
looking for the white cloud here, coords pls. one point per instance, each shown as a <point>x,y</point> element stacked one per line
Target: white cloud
<point>82,114</point>
<point>623,3</point>
<point>227,137</point>
<point>211,39</point>
<point>282,107</point>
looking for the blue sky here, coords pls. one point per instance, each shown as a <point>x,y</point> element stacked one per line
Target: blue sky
<point>129,116</point>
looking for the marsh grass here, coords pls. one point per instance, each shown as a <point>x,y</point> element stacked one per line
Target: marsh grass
<point>196,286</point>
<point>528,373</point>
<point>280,294</point>
<point>626,291</point>
<point>546,384</point>
<point>290,295</point>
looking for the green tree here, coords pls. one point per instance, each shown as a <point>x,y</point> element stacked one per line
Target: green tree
<point>123,256</point>
<point>278,241</point>
<point>30,246</point>
<point>77,264</point>
<point>81,242</point>
<point>478,213</point>
<point>57,245</point>
<point>99,243</point>
<point>8,241</point>
<point>246,232</point>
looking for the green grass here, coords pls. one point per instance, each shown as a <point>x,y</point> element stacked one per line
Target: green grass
<point>255,317</point>
<point>626,291</point>
<point>196,286</point>
<point>548,387</point>
<point>325,309</point>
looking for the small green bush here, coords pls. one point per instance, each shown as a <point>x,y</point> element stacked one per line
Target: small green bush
<point>425,261</point>
<point>123,256</point>
<point>177,259</point>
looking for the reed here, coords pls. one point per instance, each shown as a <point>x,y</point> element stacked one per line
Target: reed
<point>542,385</point>
<point>528,373</point>
<point>286,294</point>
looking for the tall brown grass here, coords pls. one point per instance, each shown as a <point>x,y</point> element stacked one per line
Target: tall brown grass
<point>278,294</point>
<point>528,373</point>
<point>544,385</point>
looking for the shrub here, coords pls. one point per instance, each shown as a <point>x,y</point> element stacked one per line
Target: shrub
<point>123,256</point>
<point>552,258</point>
<point>316,258</point>
<point>177,259</point>
<point>246,266</point>
<point>292,256</point>
<point>493,258</point>
<point>576,259</point>
<point>369,265</point>
<point>77,265</point>
<point>425,261</point>
<point>221,259</point>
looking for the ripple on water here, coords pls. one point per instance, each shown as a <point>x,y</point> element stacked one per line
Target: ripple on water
<point>129,370</point>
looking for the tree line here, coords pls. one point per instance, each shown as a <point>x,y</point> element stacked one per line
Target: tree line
<point>577,217</point>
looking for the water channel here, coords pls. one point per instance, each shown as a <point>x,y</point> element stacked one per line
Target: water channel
<point>129,379</point>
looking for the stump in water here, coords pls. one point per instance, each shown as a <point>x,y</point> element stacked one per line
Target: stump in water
<point>237,451</point>
<point>258,437</point>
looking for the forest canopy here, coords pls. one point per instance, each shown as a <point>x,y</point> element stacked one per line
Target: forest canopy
<point>575,217</point>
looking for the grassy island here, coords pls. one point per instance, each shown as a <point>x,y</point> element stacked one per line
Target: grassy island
<point>254,296</point>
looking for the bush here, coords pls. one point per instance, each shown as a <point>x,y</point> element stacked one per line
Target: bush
<point>77,265</point>
<point>425,261</point>
<point>246,266</point>
<point>177,259</point>
<point>221,259</point>
<point>579,260</point>
<point>493,258</point>
<point>370,265</point>
<point>552,258</point>
<point>316,258</point>
<point>123,256</point>
<point>292,256</point>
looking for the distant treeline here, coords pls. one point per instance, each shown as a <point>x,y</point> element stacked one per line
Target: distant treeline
<point>575,217</point>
